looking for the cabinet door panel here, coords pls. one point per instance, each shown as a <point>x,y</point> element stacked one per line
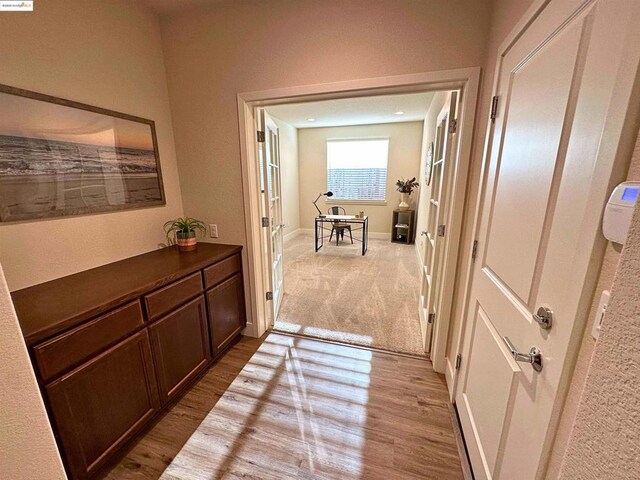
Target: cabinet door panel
<point>101,404</point>
<point>226,312</point>
<point>180,346</point>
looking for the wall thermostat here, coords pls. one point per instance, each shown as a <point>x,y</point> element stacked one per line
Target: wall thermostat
<point>618,212</point>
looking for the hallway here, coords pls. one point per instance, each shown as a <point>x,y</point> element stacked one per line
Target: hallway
<point>302,408</point>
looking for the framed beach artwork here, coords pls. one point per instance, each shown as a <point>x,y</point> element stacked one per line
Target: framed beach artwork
<point>59,157</point>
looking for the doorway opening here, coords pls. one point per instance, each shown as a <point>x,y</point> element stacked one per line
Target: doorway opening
<point>330,255</point>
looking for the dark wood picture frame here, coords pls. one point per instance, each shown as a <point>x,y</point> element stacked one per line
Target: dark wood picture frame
<point>13,185</point>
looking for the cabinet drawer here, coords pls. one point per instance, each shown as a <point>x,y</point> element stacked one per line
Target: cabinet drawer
<point>61,353</point>
<point>166,299</point>
<point>221,270</point>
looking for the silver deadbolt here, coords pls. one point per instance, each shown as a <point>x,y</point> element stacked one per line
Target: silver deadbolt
<point>534,357</point>
<point>544,317</point>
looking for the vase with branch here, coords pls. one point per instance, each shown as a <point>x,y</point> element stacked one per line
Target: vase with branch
<point>405,187</point>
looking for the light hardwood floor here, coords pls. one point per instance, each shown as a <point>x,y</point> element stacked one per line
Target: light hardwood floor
<point>302,408</point>
<point>148,458</point>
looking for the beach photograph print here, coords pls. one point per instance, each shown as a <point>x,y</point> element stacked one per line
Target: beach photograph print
<point>59,157</point>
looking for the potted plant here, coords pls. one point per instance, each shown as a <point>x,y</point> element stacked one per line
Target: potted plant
<point>405,187</point>
<point>183,232</point>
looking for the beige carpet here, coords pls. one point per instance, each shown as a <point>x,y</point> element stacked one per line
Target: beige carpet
<point>337,294</point>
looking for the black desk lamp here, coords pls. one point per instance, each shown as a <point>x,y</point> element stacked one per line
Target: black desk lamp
<point>328,194</point>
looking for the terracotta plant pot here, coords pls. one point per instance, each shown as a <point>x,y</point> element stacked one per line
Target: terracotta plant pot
<point>186,241</point>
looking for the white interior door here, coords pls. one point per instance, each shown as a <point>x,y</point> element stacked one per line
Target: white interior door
<point>273,236</point>
<point>443,145</point>
<point>564,88</point>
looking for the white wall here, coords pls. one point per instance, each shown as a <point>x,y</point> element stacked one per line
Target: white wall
<point>28,450</point>
<point>288,135</point>
<point>107,54</point>
<point>232,46</point>
<point>610,265</point>
<point>603,442</point>
<point>405,141</point>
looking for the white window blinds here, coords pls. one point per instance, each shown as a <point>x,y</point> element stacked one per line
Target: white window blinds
<point>357,169</point>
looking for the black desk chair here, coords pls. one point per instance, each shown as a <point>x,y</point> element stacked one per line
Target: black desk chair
<point>337,226</point>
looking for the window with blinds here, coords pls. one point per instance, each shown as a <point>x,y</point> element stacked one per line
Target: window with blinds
<point>357,169</point>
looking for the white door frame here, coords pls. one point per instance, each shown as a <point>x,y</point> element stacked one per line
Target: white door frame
<point>466,80</point>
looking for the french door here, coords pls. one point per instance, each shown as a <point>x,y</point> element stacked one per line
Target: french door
<point>564,89</point>
<point>273,231</point>
<point>433,258</point>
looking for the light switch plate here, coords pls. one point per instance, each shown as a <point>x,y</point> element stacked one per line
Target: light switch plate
<point>213,230</point>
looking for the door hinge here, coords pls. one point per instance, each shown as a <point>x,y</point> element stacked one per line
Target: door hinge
<point>265,221</point>
<point>494,108</point>
<point>441,229</point>
<point>269,295</point>
<point>431,318</point>
<point>474,250</point>
<point>458,361</point>
<point>261,136</point>
<point>453,126</point>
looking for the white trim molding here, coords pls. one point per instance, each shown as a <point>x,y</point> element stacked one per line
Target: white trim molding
<point>464,79</point>
<point>291,235</point>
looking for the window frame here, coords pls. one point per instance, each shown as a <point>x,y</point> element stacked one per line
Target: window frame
<point>356,201</point>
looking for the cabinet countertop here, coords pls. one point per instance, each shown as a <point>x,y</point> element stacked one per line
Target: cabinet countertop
<point>50,308</point>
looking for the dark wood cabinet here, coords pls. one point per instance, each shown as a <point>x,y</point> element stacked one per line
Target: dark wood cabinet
<point>114,346</point>
<point>101,404</point>
<point>403,226</point>
<point>226,312</point>
<point>181,348</point>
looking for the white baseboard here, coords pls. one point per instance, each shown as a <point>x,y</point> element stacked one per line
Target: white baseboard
<point>292,235</point>
<point>378,235</point>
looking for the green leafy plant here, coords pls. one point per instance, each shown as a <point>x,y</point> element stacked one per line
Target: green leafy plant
<point>407,186</point>
<point>183,227</point>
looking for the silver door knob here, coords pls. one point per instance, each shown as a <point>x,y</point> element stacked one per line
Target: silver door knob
<point>423,233</point>
<point>534,357</point>
<point>544,317</point>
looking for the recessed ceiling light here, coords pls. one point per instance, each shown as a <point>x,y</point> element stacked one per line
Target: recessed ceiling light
<point>399,112</point>
<point>311,119</point>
